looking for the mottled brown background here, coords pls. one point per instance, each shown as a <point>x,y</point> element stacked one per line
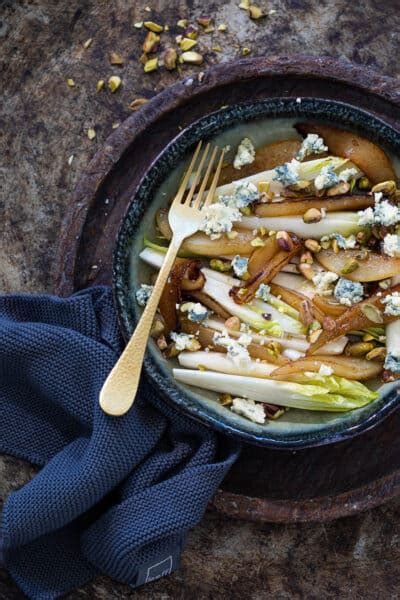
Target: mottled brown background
<point>43,122</point>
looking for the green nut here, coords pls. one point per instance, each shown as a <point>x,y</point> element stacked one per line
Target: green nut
<point>220,265</point>
<point>377,354</point>
<point>364,183</point>
<point>225,399</point>
<point>359,348</point>
<point>246,211</point>
<point>350,266</point>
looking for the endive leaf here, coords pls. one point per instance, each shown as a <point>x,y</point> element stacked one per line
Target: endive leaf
<point>326,393</point>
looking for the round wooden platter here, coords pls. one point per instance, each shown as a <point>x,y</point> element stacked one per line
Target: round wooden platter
<point>317,484</point>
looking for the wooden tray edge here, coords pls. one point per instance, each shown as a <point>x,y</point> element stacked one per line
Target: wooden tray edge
<point>320,509</point>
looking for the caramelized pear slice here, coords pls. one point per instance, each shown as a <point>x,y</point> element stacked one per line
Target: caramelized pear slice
<point>374,267</point>
<point>327,307</point>
<point>343,366</point>
<point>200,244</point>
<point>267,157</point>
<point>366,155</point>
<point>245,293</point>
<point>360,316</point>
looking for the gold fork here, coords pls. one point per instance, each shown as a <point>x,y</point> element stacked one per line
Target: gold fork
<point>185,216</point>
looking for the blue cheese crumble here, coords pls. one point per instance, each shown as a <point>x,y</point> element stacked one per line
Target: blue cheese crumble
<point>245,154</point>
<point>327,178</point>
<point>348,292</point>
<point>386,214</point>
<point>219,219</point>
<point>392,304</point>
<point>345,243</point>
<point>391,245</point>
<point>254,411</point>
<point>287,174</point>
<point>196,312</point>
<point>244,193</point>
<point>312,144</point>
<point>184,341</point>
<point>236,349</point>
<point>383,213</point>
<point>323,281</point>
<point>239,265</point>
<point>263,292</point>
<point>392,362</point>
<point>143,294</point>
<point>366,217</point>
<point>347,174</point>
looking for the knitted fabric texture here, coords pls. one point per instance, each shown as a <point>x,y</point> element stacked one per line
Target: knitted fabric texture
<point>113,495</point>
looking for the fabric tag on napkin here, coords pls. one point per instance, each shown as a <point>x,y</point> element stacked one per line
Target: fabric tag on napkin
<point>159,566</point>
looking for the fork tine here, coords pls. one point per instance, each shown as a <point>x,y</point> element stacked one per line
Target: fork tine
<point>197,177</point>
<point>184,182</point>
<point>214,183</point>
<point>203,186</point>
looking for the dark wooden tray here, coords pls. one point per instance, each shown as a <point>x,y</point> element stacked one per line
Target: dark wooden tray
<point>265,485</point>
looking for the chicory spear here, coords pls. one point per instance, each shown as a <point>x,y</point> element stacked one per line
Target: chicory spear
<point>344,223</point>
<point>326,393</point>
<point>307,171</point>
<point>298,206</point>
<point>216,361</point>
<point>297,283</point>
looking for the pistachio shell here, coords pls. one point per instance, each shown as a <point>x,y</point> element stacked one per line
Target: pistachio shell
<point>386,187</point>
<point>372,313</point>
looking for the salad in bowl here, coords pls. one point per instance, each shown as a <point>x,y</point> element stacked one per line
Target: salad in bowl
<point>288,298</point>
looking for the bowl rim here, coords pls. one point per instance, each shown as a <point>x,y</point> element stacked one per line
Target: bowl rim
<point>179,399</point>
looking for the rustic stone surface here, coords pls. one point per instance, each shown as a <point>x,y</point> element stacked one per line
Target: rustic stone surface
<point>43,122</point>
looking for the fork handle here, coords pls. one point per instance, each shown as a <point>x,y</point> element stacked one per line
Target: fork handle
<point>119,390</point>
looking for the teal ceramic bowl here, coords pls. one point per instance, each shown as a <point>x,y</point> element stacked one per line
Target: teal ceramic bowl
<point>263,121</point>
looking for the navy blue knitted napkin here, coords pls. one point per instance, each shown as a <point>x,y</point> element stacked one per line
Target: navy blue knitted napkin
<point>113,495</point>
